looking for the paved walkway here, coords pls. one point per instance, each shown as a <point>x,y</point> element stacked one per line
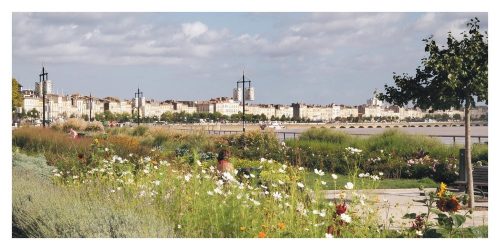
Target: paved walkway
<point>398,202</point>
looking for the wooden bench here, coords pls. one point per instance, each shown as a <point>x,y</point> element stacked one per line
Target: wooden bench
<point>480,178</point>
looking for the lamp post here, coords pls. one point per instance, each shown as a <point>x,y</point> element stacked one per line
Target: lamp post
<point>43,76</point>
<point>138,96</point>
<point>250,94</point>
<point>90,106</point>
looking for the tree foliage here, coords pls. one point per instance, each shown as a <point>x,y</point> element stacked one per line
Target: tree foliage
<point>17,97</point>
<point>454,76</point>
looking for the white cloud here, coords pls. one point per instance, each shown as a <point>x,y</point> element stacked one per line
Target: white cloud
<point>192,30</point>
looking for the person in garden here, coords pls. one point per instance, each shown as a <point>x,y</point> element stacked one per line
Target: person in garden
<point>223,164</point>
<point>72,133</point>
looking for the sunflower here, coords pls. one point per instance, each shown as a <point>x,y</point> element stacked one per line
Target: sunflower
<point>442,190</point>
<point>448,204</point>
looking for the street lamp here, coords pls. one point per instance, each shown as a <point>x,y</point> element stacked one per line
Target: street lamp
<point>90,107</point>
<point>138,104</point>
<point>250,94</point>
<point>45,76</point>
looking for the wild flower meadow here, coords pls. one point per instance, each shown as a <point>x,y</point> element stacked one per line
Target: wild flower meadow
<point>145,192</point>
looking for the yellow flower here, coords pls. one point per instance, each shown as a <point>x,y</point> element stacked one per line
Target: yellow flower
<point>281,225</point>
<point>243,229</point>
<point>442,189</point>
<point>96,141</point>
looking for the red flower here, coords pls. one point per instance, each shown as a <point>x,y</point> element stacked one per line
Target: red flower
<point>341,208</point>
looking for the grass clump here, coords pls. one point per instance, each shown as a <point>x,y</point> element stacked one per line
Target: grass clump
<point>44,210</point>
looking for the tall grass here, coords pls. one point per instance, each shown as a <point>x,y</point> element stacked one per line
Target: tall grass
<point>42,209</point>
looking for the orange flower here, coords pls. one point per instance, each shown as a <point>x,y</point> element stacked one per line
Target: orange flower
<point>281,225</point>
<point>262,235</point>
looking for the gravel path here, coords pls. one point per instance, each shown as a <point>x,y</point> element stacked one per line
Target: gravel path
<point>398,202</point>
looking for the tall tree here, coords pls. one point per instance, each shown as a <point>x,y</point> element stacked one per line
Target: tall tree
<point>455,75</point>
<point>17,97</point>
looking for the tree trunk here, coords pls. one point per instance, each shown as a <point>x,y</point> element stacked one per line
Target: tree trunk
<point>468,157</point>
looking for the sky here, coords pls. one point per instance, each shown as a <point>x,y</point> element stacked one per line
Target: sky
<point>317,58</point>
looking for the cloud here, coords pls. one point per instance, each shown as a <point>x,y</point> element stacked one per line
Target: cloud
<point>90,37</point>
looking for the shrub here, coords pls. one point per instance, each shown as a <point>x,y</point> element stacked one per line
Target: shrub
<point>74,123</point>
<point>255,145</point>
<point>139,131</point>
<point>95,126</point>
<point>42,209</point>
<point>57,125</point>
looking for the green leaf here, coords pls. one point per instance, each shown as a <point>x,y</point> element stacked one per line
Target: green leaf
<point>458,219</point>
<point>410,216</point>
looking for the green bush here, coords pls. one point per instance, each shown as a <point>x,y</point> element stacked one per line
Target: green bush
<point>74,123</point>
<point>139,131</point>
<point>95,126</point>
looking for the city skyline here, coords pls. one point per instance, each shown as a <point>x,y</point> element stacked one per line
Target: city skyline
<point>290,57</point>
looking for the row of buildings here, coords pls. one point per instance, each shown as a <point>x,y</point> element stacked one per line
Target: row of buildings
<point>76,105</point>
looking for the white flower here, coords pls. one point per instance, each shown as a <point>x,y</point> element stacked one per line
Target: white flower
<point>281,170</point>
<point>112,190</point>
<point>300,184</point>
<point>198,162</point>
<point>353,150</point>
<point>349,185</point>
<point>106,149</point>
<point>238,196</point>
<point>146,171</point>
<point>361,175</point>
<point>157,182</point>
<point>227,176</point>
<point>75,176</point>
<point>252,175</point>
<point>301,168</point>
<point>187,177</point>
<point>323,183</point>
<point>319,172</point>
<point>375,177</point>
<point>270,161</point>
<point>281,182</point>
<point>217,190</point>
<point>330,204</point>
<point>327,235</point>
<point>55,170</point>
<point>345,217</point>
<point>334,176</point>
<point>287,204</point>
<point>179,226</point>
<point>262,159</point>
<point>210,193</point>
<point>256,203</point>
<point>419,233</point>
<point>142,193</point>
<point>277,196</point>
<point>147,159</point>
<point>57,175</point>
<point>380,173</point>
<point>322,213</point>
